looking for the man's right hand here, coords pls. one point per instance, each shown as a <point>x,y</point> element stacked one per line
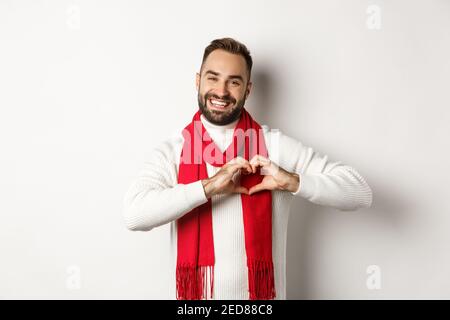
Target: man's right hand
<point>226,180</point>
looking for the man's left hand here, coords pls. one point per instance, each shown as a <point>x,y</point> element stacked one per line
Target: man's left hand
<point>275,177</point>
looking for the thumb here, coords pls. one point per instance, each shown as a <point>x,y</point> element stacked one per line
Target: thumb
<point>240,189</point>
<point>256,188</point>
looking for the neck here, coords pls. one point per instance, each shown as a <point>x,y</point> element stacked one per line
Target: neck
<point>221,135</point>
<point>217,127</point>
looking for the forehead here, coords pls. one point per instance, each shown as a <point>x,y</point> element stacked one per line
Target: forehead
<point>225,63</point>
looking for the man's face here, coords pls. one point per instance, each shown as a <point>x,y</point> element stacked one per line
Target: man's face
<point>223,86</point>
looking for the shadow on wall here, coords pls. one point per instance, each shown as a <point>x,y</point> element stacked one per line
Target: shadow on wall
<point>388,210</point>
<point>305,217</point>
<point>297,255</point>
<point>261,99</point>
<point>262,102</point>
<point>299,252</point>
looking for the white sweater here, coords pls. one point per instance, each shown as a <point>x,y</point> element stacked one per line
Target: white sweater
<point>155,198</point>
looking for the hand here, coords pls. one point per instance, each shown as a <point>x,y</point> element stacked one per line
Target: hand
<point>275,177</point>
<point>226,179</point>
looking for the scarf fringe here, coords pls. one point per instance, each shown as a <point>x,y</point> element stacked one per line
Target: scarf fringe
<point>192,282</point>
<point>261,280</point>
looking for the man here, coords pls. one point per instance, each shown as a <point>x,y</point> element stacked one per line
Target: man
<point>225,185</point>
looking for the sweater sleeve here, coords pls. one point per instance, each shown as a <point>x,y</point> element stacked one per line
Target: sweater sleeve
<point>322,181</point>
<point>154,197</point>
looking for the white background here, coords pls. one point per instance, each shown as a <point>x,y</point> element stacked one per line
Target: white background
<point>87,88</point>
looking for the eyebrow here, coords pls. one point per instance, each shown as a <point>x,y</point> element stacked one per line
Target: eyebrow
<point>234,76</point>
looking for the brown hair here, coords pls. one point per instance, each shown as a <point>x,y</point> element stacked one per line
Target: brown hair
<point>232,46</point>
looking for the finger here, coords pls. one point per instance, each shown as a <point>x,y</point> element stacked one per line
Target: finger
<point>237,160</point>
<point>245,168</point>
<point>257,163</point>
<point>268,167</point>
<point>240,189</point>
<point>255,166</point>
<point>254,163</point>
<point>259,158</point>
<point>256,188</point>
<point>248,168</point>
<point>238,166</point>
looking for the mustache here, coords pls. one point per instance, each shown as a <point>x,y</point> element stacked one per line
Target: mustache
<point>226,98</point>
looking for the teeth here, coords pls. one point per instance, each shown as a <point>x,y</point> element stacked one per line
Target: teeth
<point>218,103</point>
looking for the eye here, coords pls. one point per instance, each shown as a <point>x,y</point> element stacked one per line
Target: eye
<point>236,83</point>
<point>212,78</point>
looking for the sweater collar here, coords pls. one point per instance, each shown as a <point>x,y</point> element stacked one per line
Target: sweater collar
<point>209,126</point>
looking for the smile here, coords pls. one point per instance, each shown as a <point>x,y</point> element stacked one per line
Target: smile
<point>218,104</point>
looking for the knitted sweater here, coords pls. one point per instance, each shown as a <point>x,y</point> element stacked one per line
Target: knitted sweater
<point>155,198</point>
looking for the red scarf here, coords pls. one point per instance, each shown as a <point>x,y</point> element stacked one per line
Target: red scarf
<point>195,261</point>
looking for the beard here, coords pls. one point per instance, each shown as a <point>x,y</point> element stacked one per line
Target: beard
<point>223,117</point>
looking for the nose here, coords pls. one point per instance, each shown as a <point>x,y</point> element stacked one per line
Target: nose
<point>221,89</point>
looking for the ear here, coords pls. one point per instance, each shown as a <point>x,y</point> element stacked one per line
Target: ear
<point>197,80</point>
<point>248,89</point>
